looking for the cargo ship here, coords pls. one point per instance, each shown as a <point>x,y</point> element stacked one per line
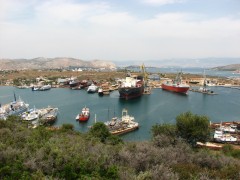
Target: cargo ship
<point>176,85</point>
<point>131,87</point>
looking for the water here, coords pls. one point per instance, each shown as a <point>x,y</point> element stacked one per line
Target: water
<point>159,107</point>
<point>199,71</point>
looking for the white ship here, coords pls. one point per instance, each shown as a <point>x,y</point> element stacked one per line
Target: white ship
<point>14,108</point>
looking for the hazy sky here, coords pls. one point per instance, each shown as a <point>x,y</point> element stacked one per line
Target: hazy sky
<point>119,29</point>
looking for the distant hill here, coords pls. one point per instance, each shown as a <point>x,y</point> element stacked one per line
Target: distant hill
<point>230,67</point>
<point>52,63</point>
<point>181,63</point>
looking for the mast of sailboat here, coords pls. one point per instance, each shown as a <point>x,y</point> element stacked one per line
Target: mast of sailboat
<point>114,114</point>
<point>15,99</point>
<point>205,81</point>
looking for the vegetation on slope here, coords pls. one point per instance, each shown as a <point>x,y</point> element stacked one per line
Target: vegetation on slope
<point>67,154</point>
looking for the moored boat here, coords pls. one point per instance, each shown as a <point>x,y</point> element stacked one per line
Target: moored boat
<point>221,136</point>
<point>92,88</point>
<point>131,87</point>
<point>73,82</point>
<point>31,115</point>
<point>100,91</point>
<point>45,87</point>
<point>15,107</point>
<point>176,85</point>
<point>125,124</point>
<point>49,115</point>
<point>84,115</point>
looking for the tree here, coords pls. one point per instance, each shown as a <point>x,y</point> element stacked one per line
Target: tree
<point>67,127</point>
<point>164,135</point>
<point>166,129</point>
<point>100,130</point>
<point>193,128</point>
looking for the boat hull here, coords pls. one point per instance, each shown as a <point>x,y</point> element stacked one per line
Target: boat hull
<point>130,93</point>
<point>73,84</point>
<point>83,118</point>
<point>120,132</point>
<point>173,88</point>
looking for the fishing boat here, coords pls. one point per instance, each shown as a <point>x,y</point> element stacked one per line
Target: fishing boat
<point>15,107</point>
<point>125,124</point>
<point>84,115</point>
<point>176,85</point>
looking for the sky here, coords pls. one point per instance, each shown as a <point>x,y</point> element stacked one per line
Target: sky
<point>120,30</point>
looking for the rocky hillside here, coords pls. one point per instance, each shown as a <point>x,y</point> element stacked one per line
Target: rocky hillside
<point>231,67</point>
<point>49,63</point>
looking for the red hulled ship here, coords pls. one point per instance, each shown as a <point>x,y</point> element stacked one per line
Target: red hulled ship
<point>176,85</point>
<point>84,116</point>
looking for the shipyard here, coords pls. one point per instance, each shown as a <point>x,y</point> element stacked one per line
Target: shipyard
<point>127,84</point>
<point>120,90</point>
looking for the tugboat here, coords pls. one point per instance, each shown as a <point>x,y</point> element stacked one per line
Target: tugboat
<point>84,116</point>
<point>176,85</point>
<point>118,126</point>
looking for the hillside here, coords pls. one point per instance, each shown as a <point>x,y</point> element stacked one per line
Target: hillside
<point>66,154</point>
<point>230,67</point>
<point>50,63</point>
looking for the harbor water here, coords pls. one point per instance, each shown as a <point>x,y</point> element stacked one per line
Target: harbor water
<point>159,107</point>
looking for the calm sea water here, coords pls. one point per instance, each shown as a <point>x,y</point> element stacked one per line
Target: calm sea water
<point>159,107</point>
<point>200,71</point>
